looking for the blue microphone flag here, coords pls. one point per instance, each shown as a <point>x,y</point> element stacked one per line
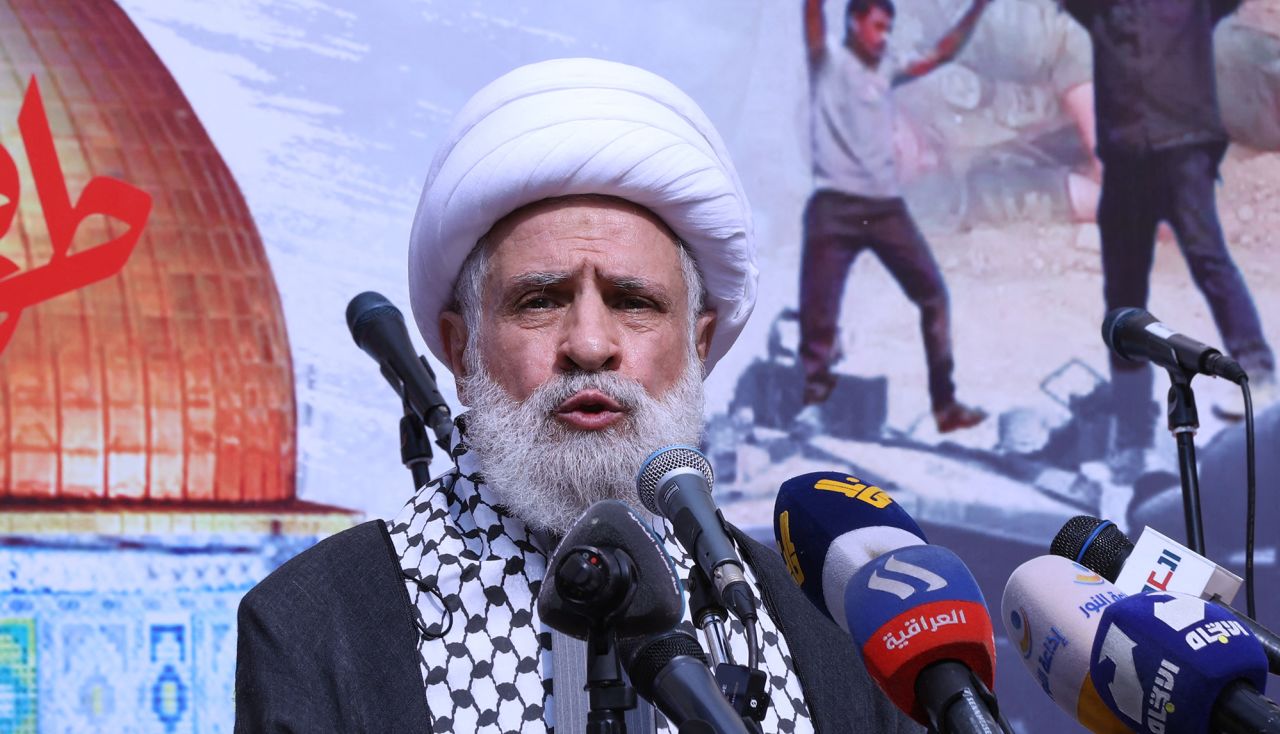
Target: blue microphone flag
<point>812,511</point>
<point>1160,660</point>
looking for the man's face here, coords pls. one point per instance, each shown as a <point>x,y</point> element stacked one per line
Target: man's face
<point>870,31</point>
<point>585,285</point>
<point>585,360</point>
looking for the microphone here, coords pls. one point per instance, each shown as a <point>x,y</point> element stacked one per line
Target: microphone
<point>670,671</point>
<point>1157,563</point>
<point>675,482</point>
<point>1174,663</point>
<point>1136,335</point>
<point>378,329</point>
<point>863,561</point>
<point>918,617</point>
<point>1051,607</point>
<point>610,570</point>
<point>828,525</point>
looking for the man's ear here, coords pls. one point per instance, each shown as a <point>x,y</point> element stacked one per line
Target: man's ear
<point>702,333</point>
<point>453,334</point>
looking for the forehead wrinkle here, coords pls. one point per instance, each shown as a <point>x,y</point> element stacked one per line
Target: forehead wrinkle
<point>540,279</point>
<point>549,278</point>
<point>631,283</point>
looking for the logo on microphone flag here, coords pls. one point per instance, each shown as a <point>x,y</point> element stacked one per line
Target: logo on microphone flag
<point>1087,577</point>
<point>1020,625</point>
<point>912,607</point>
<point>789,548</point>
<point>934,621</point>
<point>950,629</point>
<point>1160,660</point>
<point>854,488</point>
<point>904,589</point>
<point>832,523</point>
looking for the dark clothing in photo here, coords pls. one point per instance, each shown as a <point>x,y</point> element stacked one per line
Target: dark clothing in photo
<point>1161,138</point>
<point>1154,80</point>
<point>837,228</point>
<point>1174,185</point>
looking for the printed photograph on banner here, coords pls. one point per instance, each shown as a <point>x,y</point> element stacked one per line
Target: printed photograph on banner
<point>947,198</point>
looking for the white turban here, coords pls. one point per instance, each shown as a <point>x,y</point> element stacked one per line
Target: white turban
<point>584,126</point>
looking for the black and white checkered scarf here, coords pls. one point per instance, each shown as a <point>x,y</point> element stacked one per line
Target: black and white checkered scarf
<point>473,574</point>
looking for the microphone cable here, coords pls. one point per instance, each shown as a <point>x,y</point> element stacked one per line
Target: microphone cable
<point>753,645</point>
<point>1251,494</point>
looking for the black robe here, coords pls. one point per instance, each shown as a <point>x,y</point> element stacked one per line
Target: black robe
<point>327,642</point>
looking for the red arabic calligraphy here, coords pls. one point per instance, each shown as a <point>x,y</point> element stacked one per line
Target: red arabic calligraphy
<point>65,271</point>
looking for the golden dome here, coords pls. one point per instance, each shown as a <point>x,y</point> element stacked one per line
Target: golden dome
<point>169,381</point>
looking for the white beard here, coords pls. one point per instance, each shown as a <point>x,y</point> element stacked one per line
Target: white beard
<point>548,474</point>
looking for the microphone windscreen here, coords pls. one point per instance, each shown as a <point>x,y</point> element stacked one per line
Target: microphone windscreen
<point>657,601</point>
<point>364,308</point>
<point>1051,607</point>
<point>828,525</point>
<point>644,658</point>
<point>670,671</point>
<point>1093,543</point>
<point>1117,321</point>
<point>661,463</point>
<point>913,607</point>
<point>1160,660</point>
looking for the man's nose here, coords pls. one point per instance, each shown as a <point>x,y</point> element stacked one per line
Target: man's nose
<point>590,341</point>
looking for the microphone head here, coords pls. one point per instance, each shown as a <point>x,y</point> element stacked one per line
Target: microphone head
<point>364,309</point>
<point>1051,607</point>
<point>1093,543</point>
<point>644,658</point>
<point>665,462</point>
<point>1119,319</point>
<point>828,525</point>
<point>656,599</point>
<point>1160,660</point>
<point>916,606</point>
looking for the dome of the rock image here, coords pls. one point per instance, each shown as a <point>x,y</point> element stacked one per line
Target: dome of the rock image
<point>169,382</point>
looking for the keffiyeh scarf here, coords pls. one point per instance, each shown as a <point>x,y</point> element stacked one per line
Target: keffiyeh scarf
<point>473,573</point>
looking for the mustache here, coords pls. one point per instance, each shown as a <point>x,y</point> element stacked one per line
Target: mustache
<point>546,473</point>
<point>627,392</point>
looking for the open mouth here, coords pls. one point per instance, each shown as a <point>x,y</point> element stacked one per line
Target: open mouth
<point>590,410</point>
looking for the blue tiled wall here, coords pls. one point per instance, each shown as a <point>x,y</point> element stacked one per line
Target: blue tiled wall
<point>117,635</point>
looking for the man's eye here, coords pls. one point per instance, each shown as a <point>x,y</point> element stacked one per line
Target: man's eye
<point>537,303</point>
<point>634,303</point>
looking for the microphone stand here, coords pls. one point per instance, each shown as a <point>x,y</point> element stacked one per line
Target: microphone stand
<point>415,447</point>
<point>415,442</point>
<point>744,688</point>
<point>709,616</point>
<point>595,585</point>
<point>1183,423</point>
<point>609,697</point>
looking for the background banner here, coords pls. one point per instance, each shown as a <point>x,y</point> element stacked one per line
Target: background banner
<point>191,192</point>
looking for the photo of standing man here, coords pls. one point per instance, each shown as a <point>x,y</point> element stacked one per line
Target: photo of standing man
<point>1161,138</point>
<point>857,201</point>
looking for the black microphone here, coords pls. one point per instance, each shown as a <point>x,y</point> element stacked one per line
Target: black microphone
<point>610,571</point>
<point>675,482</point>
<point>378,329</point>
<point>1099,546</point>
<point>670,671</point>
<point>1136,335</point>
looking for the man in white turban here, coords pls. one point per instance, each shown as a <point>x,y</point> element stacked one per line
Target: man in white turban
<point>581,257</point>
